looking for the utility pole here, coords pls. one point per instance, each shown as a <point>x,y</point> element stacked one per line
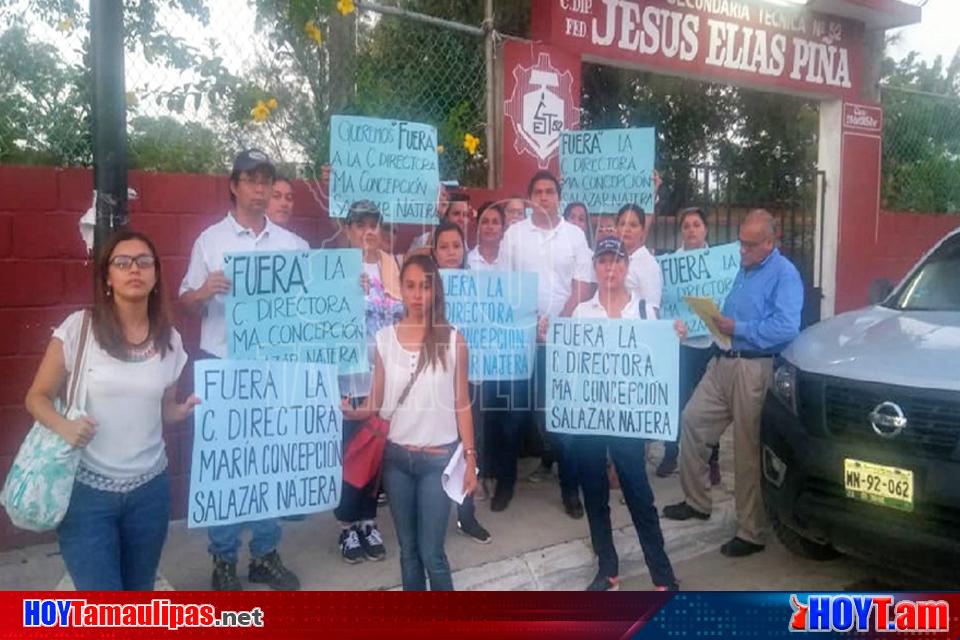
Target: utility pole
<point>109,114</point>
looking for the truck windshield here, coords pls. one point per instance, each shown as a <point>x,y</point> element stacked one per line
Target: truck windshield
<point>935,286</point>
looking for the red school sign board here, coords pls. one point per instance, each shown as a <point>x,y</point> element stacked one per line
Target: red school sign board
<point>739,41</point>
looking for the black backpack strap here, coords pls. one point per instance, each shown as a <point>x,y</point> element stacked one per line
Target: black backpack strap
<point>643,309</point>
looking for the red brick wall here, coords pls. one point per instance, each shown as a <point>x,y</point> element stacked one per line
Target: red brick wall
<point>904,237</point>
<point>44,276</point>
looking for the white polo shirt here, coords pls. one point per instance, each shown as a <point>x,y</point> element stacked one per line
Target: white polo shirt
<point>476,262</point>
<point>592,309</point>
<point>644,278</point>
<point>558,256</point>
<point>228,236</point>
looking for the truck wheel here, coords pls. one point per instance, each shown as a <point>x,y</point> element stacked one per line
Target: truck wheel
<point>800,546</point>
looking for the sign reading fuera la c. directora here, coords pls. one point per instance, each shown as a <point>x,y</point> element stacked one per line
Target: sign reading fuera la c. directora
<point>748,42</point>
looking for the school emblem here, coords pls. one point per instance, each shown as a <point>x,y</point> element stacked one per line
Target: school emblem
<point>540,107</point>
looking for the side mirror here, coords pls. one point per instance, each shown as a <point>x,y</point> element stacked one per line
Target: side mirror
<point>880,290</point>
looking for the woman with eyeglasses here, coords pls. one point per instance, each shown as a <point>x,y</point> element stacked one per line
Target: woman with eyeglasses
<point>116,524</point>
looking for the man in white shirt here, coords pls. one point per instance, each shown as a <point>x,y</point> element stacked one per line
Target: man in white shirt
<point>244,228</point>
<point>557,252</point>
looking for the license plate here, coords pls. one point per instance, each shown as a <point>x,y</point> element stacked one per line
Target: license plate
<point>887,486</point>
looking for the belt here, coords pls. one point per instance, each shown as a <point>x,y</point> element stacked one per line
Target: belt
<point>744,355</point>
<point>434,451</point>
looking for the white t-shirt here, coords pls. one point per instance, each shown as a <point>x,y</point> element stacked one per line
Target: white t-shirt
<point>124,398</point>
<point>476,262</point>
<point>558,256</point>
<point>427,417</point>
<point>631,311</point>
<point>644,278</point>
<point>228,236</point>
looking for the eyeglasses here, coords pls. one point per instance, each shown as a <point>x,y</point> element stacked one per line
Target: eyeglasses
<point>143,261</point>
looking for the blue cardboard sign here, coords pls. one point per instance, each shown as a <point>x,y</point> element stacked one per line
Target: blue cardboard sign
<point>608,168</point>
<point>613,378</point>
<point>703,273</point>
<point>298,306</point>
<point>267,441</point>
<point>496,311</point>
<point>389,162</point>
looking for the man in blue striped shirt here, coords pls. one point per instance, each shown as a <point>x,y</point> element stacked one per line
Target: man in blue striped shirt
<point>761,316</point>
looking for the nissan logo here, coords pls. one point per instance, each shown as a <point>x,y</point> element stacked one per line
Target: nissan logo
<point>888,420</point>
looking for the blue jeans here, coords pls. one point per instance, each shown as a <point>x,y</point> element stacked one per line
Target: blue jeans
<point>111,541</point>
<point>630,460</point>
<point>421,511</point>
<point>225,539</point>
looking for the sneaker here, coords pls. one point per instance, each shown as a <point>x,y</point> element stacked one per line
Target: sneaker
<point>673,586</point>
<point>372,543</point>
<point>714,473</point>
<point>350,547</point>
<point>603,583</point>
<point>269,570</point>
<point>225,575</point>
<point>667,468</point>
<point>573,507</point>
<point>472,529</point>
<point>542,474</point>
<point>501,498</point>
<point>381,499</point>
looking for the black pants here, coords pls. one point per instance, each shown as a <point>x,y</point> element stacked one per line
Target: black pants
<point>556,446</point>
<point>356,504</point>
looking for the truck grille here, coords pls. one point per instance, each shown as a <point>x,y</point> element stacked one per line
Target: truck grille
<point>933,423</point>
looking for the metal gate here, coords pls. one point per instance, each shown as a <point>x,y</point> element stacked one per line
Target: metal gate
<point>726,195</point>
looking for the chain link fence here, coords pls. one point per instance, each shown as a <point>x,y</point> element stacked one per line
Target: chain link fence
<point>207,77</point>
<point>921,152</point>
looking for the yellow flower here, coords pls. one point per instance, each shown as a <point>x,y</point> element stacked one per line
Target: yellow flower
<point>470,143</point>
<point>272,103</point>
<point>345,7</point>
<point>313,32</point>
<point>260,112</point>
<point>440,148</point>
<point>65,25</point>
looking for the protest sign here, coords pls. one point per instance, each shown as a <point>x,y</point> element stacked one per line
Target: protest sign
<point>613,378</point>
<point>298,306</point>
<point>389,162</point>
<point>267,441</point>
<point>608,168</point>
<point>702,273</point>
<point>496,311</point>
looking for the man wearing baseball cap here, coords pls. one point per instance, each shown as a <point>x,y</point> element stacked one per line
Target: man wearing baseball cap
<point>245,228</point>
<point>613,300</point>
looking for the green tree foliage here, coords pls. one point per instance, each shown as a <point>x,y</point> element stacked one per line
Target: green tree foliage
<point>44,118</point>
<point>165,144</point>
<point>921,136</point>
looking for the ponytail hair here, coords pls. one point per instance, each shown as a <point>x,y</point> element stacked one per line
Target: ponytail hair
<point>436,340</point>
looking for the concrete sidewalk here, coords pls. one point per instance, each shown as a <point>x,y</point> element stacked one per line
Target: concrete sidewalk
<point>535,546</point>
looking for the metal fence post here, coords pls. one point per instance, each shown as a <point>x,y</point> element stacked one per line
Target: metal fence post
<point>490,128</point>
<point>109,118</point>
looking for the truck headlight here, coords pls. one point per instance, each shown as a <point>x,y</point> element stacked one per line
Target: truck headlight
<point>785,384</point>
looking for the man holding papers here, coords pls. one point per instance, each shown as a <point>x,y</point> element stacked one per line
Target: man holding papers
<point>760,317</point>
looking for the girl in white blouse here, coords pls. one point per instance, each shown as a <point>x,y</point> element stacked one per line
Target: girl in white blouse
<point>116,524</point>
<point>420,387</point>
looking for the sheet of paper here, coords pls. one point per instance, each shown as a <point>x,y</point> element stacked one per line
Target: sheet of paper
<point>452,477</point>
<point>706,309</point>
